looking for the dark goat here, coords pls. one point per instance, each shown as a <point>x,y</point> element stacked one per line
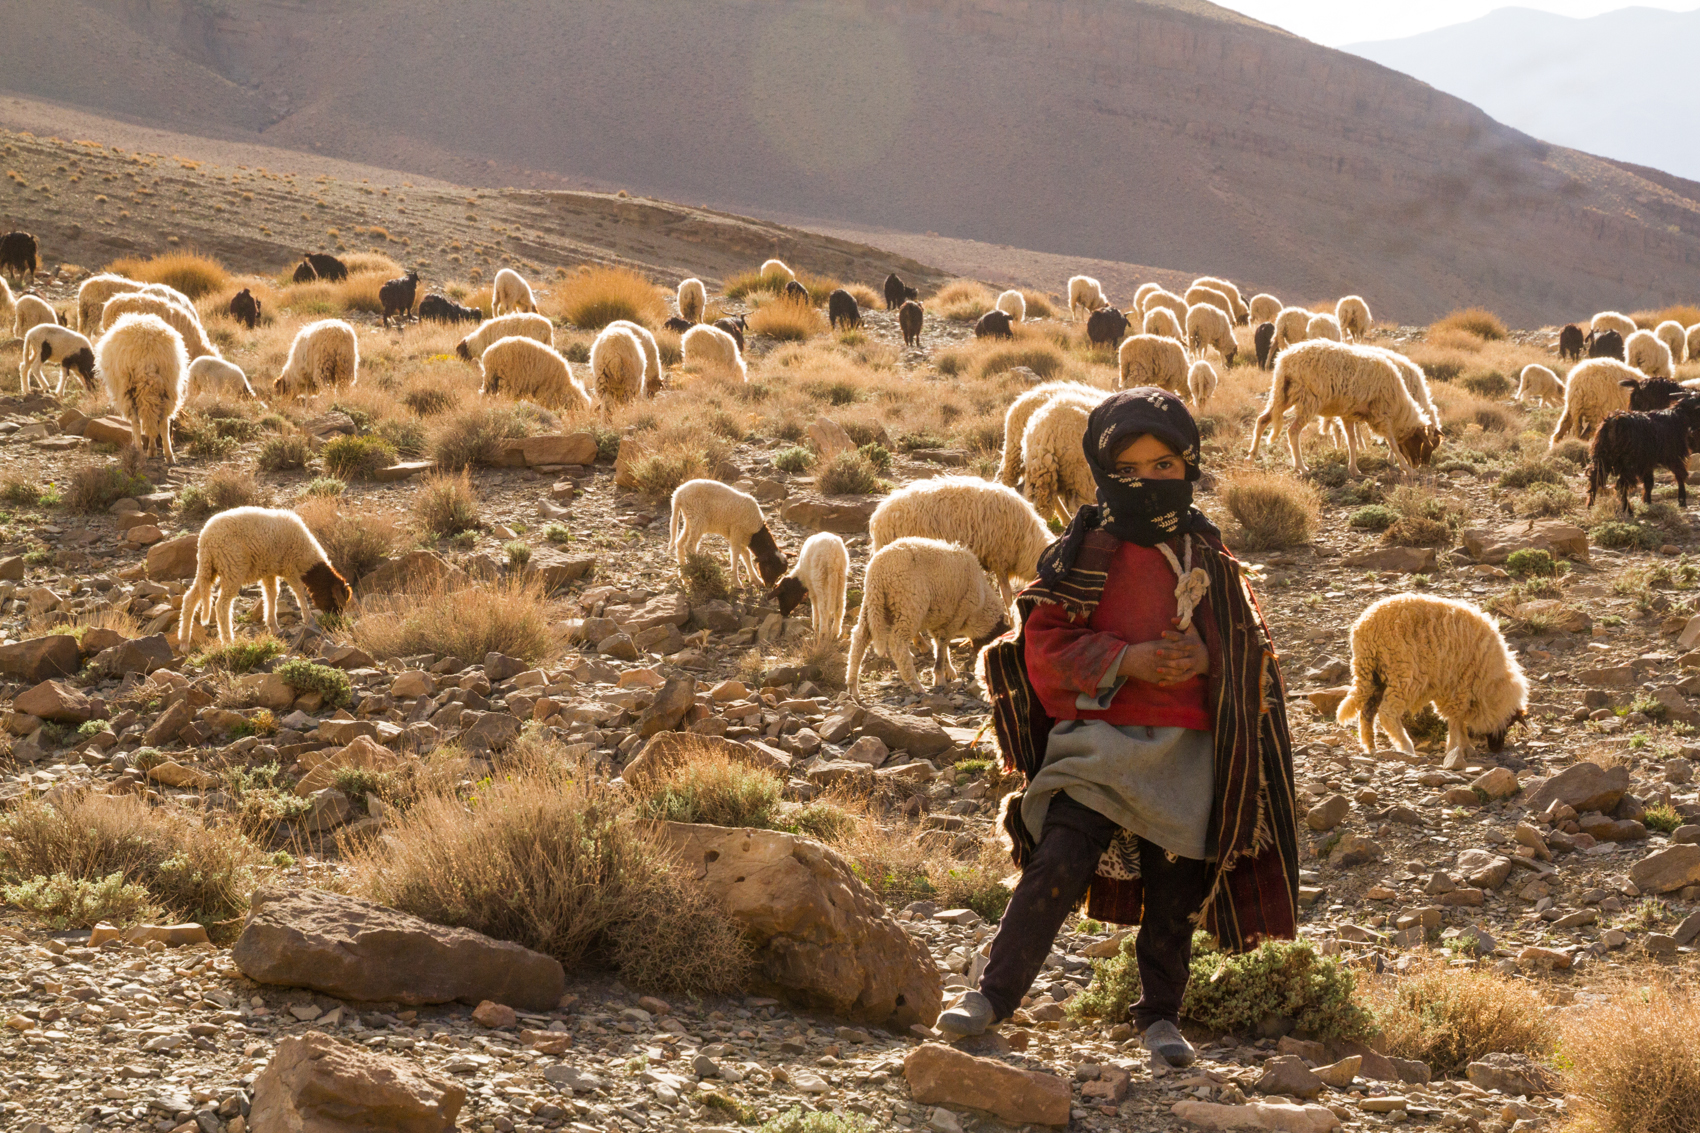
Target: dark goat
<point>1571,343</point>
<point>397,296</point>
<point>1605,344</point>
<point>841,308</point>
<point>677,325</point>
<point>909,318</point>
<point>245,309</point>
<point>734,327</point>
<point>1264,339</point>
<point>1633,446</point>
<point>18,256</point>
<point>329,268</point>
<point>897,293</point>
<point>441,309</point>
<point>993,324</point>
<point>797,293</point>
<point>1649,394</point>
<point>769,561</point>
<point>1106,327</point>
<point>304,273</point>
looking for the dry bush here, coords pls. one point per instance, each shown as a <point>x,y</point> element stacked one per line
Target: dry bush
<point>1273,509</point>
<point>596,296</point>
<point>370,263</point>
<point>866,297</point>
<point>901,863</point>
<point>555,863</point>
<point>1458,406</point>
<point>963,300</point>
<point>192,274</point>
<point>1450,1018</point>
<point>664,458</point>
<point>357,458</point>
<point>1455,339</point>
<point>1039,305</point>
<point>709,787</point>
<point>1685,313</point>
<point>446,505</point>
<point>1041,357</point>
<point>357,543</point>
<point>81,621</point>
<point>748,283</point>
<point>225,487</point>
<point>96,487</point>
<point>475,435</point>
<point>787,320</point>
<point>1634,1066</point>
<point>1477,321</point>
<point>459,619</point>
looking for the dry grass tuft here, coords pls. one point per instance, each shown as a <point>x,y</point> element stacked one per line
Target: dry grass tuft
<point>194,275</point>
<point>1273,509</point>
<point>356,543</point>
<point>475,435</point>
<point>787,320</point>
<point>710,788</point>
<point>1685,313</point>
<point>963,300</point>
<point>446,505</point>
<point>225,487</point>
<point>1449,1018</point>
<point>460,620</point>
<point>1634,1065</point>
<point>1477,321</point>
<point>597,296</point>
<point>96,487</point>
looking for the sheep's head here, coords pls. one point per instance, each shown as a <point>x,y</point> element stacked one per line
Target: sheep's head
<point>82,362</point>
<point>1495,740</point>
<point>465,351</point>
<point>790,593</point>
<point>768,559</point>
<point>329,591</point>
<point>280,387</point>
<point>1001,627</point>
<point>1418,445</point>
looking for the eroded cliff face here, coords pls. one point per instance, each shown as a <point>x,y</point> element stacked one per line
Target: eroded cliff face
<point>1172,134</point>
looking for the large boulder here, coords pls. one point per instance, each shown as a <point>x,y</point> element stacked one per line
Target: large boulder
<point>1667,870</point>
<point>820,934</point>
<point>174,558</point>
<point>1408,560</point>
<point>1583,786</point>
<point>40,658</point>
<point>137,655</point>
<point>663,609</point>
<point>315,1084</point>
<point>354,949</point>
<point>51,700</point>
<point>843,515</point>
<point>672,700</point>
<point>918,735</point>
<point>942,1075</point>
<point>1495,545</point>
<point>559,448</point>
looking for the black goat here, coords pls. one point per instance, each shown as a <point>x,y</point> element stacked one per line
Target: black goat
<point>441,309</point>
<point>677,325</point>
<point>841,308</point>
<point>1604,344</point>
<point>897,293</point>
<point>797,293</point>
<point>734,327</point>
<point>994,324</point>
<point>304,273</point>
<point>909,318</point>
<point>18,256</point>
<point>1633,446</point>
<point>245,309</point>
<point>1106,327</point>
<point>328,268</point>
<point>397,296</point>
<point>1571,343</point>
<point>1264,339</point>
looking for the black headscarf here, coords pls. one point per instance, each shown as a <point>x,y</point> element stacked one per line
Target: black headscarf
<point>1146,512</point>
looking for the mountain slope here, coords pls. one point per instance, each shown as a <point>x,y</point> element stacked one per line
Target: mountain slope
<point>1175,134</point>
<point>1613,84</point>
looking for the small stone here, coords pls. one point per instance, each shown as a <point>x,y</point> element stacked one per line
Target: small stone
<point>870,750</point>
<point>1328,813</point>
<point>941,1075</point>
<point>1339,1075</point>
<point>1282,1117</point>
<point>1499,783</point>
<point>1287,1074</point>
<point>1385,1104</point>
<point>1354,849</point>
<point>494,1015</point>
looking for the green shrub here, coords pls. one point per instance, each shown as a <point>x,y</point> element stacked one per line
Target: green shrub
<point>517,551</point>
<point>877,455</point>
<point>357,458</point>
<point>310,676</point>
<point>716,791</point>
<point>241,657</point>
<point>1531,472</point>
<point>558,533</point>
<point>1534,563</point>
<point>1486,383</point>
<point>281,454</point>
<point>1625,535</point>
<point>1375,517</point>
<point>607,442</point>
<point>98,487</point>
<point>324,486</point>
<point>1662,817</point>
<point>799,1120</point>
<point>794,459</point>
<point>705,579</point>
<point>225,487</point>
<point>406,436</point>
<point>850,473</point>
<point>446,505</point>
<point>77,902</point>
<point>20,492</point>
<point>1417,531</point>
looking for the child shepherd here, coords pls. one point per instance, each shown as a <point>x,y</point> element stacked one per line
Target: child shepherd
<point>1143,704</point>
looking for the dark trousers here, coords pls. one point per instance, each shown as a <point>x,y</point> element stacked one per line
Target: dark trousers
<point>1057,874</point>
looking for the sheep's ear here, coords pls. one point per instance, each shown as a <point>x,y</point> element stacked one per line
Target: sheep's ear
<point>1630,383</point>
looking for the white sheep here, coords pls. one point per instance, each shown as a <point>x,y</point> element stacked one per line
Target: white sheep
<point>1209,326</point>
<point>991,520</point>
<point>917,586</point>
<point>255,544</point>
<point>713,349</point>
<point>1053,457</point>
<point>693,300</point>
<point>1612,320</point>
<point>526,370</point>
<point>1201,382</point>
<point>1648,353</point>
<point>1140,294</point>
<point>1416,384</point>
<point>1672,334</point>
<point>181,316</point>
<point>1161,298</point>
<point>1326,379</point>
<point>532,326</point>
<point>1410,650</point>
<point>1085,294</point>
<point>1324,326</point>
<point>1352,313</point>
<point>92,297</point>
<point>708,507</point>
<point>1593,391</point>
<point>50,342</point>
<point>1021,410</point>
<point>1152,360</point>
<point>212,373</point>
<point>1199,293</point>
<point>8,305</point>
<point>777,267</point>
<point>1237,307</point>
<point>1292,326</point>
<point>1162,321</point>
<point>1691,343</point>
<point>511,294</point>
<point>323,355</point>
<point>822,575</point>
<point>145,366</point>
<point>31,311</point>
<point>1540,384</point>
<point>1264,307</point>
<point>617,366</point>
<point>1014,304</point>
<point>652,375</point>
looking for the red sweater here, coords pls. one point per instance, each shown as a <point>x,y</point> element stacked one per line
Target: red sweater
<point>1066,656</point>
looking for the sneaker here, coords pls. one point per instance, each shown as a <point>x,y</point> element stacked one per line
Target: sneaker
<point>1165,1040</point>
<point>972,1014</point>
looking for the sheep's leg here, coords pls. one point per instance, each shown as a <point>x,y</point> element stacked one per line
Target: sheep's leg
<point>1647,487</point>
<point>903,659</point>
<point>1390,723</point>
<point>165,443</point>
<point>1565,422</point>
<point>1457,738</point>
<point>199,594</point>
<point>1005,590</point>
<point>853,667</point>
<point>268,604</point>
<point>1262,423</point>
<point>944,667</point>
<point>1679,470</point>
<point>734,553</point>
<point>1293,432</point>
<point>298,588</point>
<point>224,612</point>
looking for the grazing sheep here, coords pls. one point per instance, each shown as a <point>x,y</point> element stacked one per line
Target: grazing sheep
<point>527,370</point>
<point>1085,295</point>
<point>1161,320</point>
<point>92,296</point>
<point>18,257</point>
<point>1570,343</point>
<point>1410,650</point>
<point>1292,326</point>
<point>1141,293</point>
<point>304,273</point>
<point>1201,382</point>
<point>1208,325</point>
<point>1198,293</point>
<point>324,355</point>
<point>1647,352</point>
<point>909,319</point>
<point>919,586</point>
<point>796,293</point>
<point>328,268</point>
<point>994,324</point>
<point>991,520</point>
<point>397,296</point>
<point>265,545</point>
<point>442,309</point>
<point>1354,383</point>
<point>1161,298</point>
<point>822,575</point>
<point>1600,387</point>
<point>1053,457</point>
<point>1352,313</point>
<point>146,369</point>
<point>1633,446</point>
<point>1021,410</point>
<point>1416,384</point>
<point>31,311</point>
<point>527,325</point>
<point>1263,339</point>
<point>50,342</point>
<point>841,308</point>
<point>677,325</point>
<point>1237,306</point>
<point>1106,327</point>
<point>1324,326</point>
<point>1541,384</point>
<point>1263,308</point>
<point>1014,304</point>
<point>181,316</point>
<point>1152,360</point>
<point>1671,333</point>
<point>652,375</point>
<point>734,325</point>
<point>777,267</point>
<point>708,507</point>
<point>1612,320</point>
<point>244,308</point>
<point>211,373</point>
<point>1605,344</point>
<point>713,349</point>
<point>617,366</point>
<point>898,293</point>
<point>511,294</point>
<point>693,300</point>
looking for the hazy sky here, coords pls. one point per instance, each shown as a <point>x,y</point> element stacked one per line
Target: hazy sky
<point>1335,22</point>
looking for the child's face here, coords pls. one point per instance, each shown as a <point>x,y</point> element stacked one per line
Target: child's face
<point>1148,458</point>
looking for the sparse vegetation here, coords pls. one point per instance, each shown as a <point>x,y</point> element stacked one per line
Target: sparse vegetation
<point>357,458</point>
<point>446,505</point>
<point>96,487</point>
<point>194,275</point>
<point>284,453</point>
<point>1272,509</point>
<point>310,676</point>
<point>1450,1018</point>
<point>596,296</point>
<point>849,473</point>
<point>1476,321</point>
<point>787,320</point>
<point>460,620</point>
<point>225,487</point>
<point>1631,1065</point>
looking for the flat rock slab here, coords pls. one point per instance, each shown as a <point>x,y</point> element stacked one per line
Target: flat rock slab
<point>40,658</point>
<point>1281,1116</point>
<point>918,735</point>
<point>1582,786</point>
<point>1495,545</point>
<point>942,1075</point>
<point>354,949</point>
<point>315,1084</point>
<point>843,515</point>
